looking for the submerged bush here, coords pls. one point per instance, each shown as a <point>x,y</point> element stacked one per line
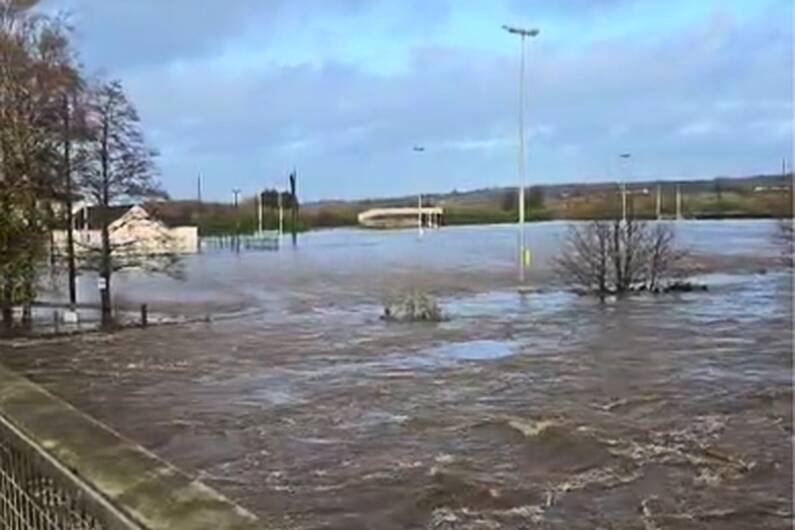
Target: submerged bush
<point>413,307</point>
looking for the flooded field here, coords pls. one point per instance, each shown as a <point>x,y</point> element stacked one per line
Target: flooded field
<point>540,411</point>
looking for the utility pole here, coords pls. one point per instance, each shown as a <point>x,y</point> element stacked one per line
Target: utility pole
<point>236,193</point>
<point>419,149</point>
<point>199,211</point>
<point>659,201</point>
<point>678,201</point>
<point>67,170</point>
<point>622,188</point>
<point>791,185</point>
<point>259,212</point>
<point>625,157</point>
<point>280,202</point>
<point>294,206</point>
<point>524,253</point>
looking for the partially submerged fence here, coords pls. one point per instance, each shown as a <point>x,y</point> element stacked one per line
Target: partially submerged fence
<point>61,470</point>
<point>260,241</point>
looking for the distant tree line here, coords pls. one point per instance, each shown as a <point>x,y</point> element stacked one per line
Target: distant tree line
<point>534,201</point>
<point>64,136</point>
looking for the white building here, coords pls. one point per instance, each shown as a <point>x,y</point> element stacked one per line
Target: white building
<point>132,228</point>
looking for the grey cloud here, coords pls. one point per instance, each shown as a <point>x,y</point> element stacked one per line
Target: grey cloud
<point>139,33</point>
<point>350,130</point>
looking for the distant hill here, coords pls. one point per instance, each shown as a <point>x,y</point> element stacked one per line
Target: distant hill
<point>557,191</point>
<point>753,196</point>
<point>720,197</point>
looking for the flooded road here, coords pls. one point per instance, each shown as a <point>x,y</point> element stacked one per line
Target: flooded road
<point>540,411</point>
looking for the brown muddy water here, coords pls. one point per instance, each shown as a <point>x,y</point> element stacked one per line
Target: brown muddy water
<point>540,411</point>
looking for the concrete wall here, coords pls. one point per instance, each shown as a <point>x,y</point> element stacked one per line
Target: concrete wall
<point>142,490</point>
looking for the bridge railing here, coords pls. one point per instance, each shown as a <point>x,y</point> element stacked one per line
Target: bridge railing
<point>61,470</point>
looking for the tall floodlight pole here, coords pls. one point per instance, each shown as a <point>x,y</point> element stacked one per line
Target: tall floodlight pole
<point>659,202</point>
<point>524,254</point>
<point>625,157</point>
<point>678,201</point>
<point>260,207</point>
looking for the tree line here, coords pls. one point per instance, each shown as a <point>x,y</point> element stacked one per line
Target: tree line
<point>64,136</point>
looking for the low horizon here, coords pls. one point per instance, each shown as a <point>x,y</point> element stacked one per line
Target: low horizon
<point>596,182</point>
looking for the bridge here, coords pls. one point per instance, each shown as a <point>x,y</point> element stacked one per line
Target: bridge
<point>403,217</point>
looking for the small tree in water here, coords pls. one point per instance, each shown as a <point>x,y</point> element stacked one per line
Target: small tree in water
<point>116,166</point>
<point>615,257</point>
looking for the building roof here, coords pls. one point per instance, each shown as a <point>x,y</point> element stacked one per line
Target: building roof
<point>97,215</point>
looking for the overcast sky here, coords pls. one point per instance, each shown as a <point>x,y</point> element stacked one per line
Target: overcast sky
<point>242,91</point>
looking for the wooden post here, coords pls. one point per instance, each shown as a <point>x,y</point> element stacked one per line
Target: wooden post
<point>294,206</point>
<point>419,214</point>
<point>55,320</point>
<point>144,316</point>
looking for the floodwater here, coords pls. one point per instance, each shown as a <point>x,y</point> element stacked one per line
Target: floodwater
<point>546,410</point>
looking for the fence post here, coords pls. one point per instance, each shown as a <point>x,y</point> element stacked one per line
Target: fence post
<point>144,316</point>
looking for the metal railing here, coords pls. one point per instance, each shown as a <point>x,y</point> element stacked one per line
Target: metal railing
<point>62,470</point>
<point>37,493</point>
<point>268,240</point>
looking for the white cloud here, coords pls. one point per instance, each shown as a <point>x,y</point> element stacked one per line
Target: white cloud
<point>701,128</point>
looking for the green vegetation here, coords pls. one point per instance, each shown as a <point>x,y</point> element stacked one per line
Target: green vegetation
<point>753,197</point>
<point>466,215</point>
<point>38,77</point>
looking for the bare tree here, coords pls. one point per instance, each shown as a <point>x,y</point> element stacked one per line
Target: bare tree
<point>615,257</point>
<point>586,259</point>
<point>662,255</point>
<point>118,166</point>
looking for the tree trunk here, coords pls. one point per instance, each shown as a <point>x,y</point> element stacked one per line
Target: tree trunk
<point>617,259</point>
<point>8,308</point>
<point>104,274</point>
<point>105,263</point>
<point>70,241</point>
<point>27,316</point>
<point>28,292</point>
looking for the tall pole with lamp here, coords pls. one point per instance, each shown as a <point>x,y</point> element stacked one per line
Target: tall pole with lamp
<point>625,158</point>
<point>524,253</point>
